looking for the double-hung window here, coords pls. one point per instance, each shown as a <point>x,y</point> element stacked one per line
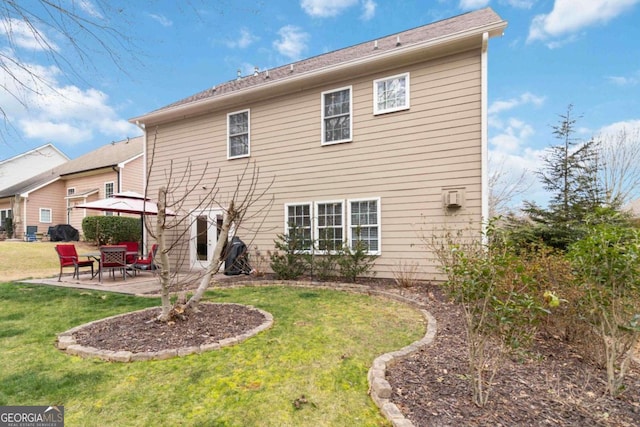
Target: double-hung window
<point>4,214</point>
<point>329,225</point>
<point>391,94</point>
<point>45,215</point>
<point>238,134</point>
<point>336,116</point>
<point>364,223</point>
<point>108,189</point>
<point>298,218</point>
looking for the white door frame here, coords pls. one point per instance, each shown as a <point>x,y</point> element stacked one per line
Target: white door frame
<point>201,247</point>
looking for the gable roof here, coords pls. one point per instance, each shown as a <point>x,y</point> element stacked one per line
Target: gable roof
<point>107,156</point>
<point>49,146</point>
<point>411,45</point>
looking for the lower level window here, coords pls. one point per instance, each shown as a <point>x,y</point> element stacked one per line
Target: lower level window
<point>45,215</point>
<point>298,220</point>
<point>330,233</point>
<point>364,224</point>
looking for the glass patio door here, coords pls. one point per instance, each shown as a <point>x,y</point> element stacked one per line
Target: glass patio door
<point>205,230</point>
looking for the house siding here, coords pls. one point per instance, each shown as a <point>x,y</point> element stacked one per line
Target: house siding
<point>83,184</point>
<point>406,158</point>
<point>132,176</point>
<point>46,197</point>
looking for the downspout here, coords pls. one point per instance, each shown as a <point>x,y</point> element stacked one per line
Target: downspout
<point>116,169</point>
<point>484,138</point>
<point>144,180</point>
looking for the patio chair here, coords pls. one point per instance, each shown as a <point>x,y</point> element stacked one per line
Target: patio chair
<point>69,258</point>
<point>147,264</point>
<point>132,251</point>
<point>112,258</point>
<point>30,235</point>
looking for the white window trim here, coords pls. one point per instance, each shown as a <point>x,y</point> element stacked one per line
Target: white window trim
<point>350,116</point>
<point>349,224</point>
<point>377,111</point>
<point>229,156</point>
<point>286,222</point>
<point>105,188</point>
<point>316,227</point>
<point>50,215</point>
<point>71,191</point>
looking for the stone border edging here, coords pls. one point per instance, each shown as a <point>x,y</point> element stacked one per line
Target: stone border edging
<point>67,343</point>
<point>379,388</point>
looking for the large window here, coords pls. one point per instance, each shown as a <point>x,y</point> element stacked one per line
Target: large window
<point>329,225</point>
<point>298,217</point>
<point>45,215</point>
<point>391,94</point>
<point>336,116</point>
<point>364,223</point>
<point>238,134</point>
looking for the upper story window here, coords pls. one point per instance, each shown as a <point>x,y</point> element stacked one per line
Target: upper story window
<point>45,215</point>
<point>364,223</point>
<point>336,116</point>
<point>238,134</point>
<point>391,94</point>
<point>108,189</point>
<point>299,216</point>
<point>71,191</point>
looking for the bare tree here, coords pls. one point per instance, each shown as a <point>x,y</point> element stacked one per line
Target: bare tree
<point>504,187</point>
<point>67,35</point>
<point>619,165</point>
<point>182,194</point>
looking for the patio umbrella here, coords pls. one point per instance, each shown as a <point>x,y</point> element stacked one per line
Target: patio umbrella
<point>126,202</point>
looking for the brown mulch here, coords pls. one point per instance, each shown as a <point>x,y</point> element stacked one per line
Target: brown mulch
<point>549,386</point>
<point>141,331</point>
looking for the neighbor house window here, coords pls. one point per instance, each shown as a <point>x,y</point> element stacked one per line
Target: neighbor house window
<point>4,214</point>
<point>299,216</point>
<point>329,225</point>
<point>336,116</point>
<point>45,215</point>
<point>391,94</point>
<point>71,191</point>
<point>238,133</point>
<point>108,189</point>
<point>364,223</point>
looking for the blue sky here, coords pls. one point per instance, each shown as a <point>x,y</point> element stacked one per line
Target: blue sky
<point>553,53</point>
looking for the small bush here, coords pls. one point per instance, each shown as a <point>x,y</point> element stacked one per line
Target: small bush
<point>355,261</point>
<point>290,260</point>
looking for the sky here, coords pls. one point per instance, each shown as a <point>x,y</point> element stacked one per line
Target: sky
<point>554,53</point>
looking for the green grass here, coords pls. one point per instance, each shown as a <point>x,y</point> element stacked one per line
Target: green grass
<point>321,346</point>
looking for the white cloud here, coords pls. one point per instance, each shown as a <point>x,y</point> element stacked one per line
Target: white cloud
<point>512,137</point>
<point>520,4</point>
<point>292,42</point>
<point>89,8</point>
<point>472,4</point>
<point>162,20</point>
<point>26,36</point>
<point>509,104</point>
<point>616,128</point>
<point>244,40</point>
<point>326,8</point>
<point>55,113</point>
<point>368,10</point>
<point>571,16</point>
<point>625,80</point>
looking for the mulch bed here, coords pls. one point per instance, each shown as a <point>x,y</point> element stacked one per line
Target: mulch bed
<point>141,331</point>
<point>550,386</point>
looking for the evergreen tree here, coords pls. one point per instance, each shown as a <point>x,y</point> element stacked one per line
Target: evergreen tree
<point>570,174</point>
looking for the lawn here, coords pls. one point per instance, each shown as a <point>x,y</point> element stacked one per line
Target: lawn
<point>309,369</point>
<point>32,260</point>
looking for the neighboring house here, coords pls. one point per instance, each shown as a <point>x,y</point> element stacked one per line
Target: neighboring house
<point>388,137</point>
<point>27,165</point>
<point>48,199</point>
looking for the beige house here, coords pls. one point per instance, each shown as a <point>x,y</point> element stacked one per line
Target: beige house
<point>48,199</point>
<point>388,137</point>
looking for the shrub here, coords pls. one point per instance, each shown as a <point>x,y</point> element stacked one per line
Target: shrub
<point>291,258</point>
<point>607,268</point>
<point>355,261</point>
<point>111,229</point>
